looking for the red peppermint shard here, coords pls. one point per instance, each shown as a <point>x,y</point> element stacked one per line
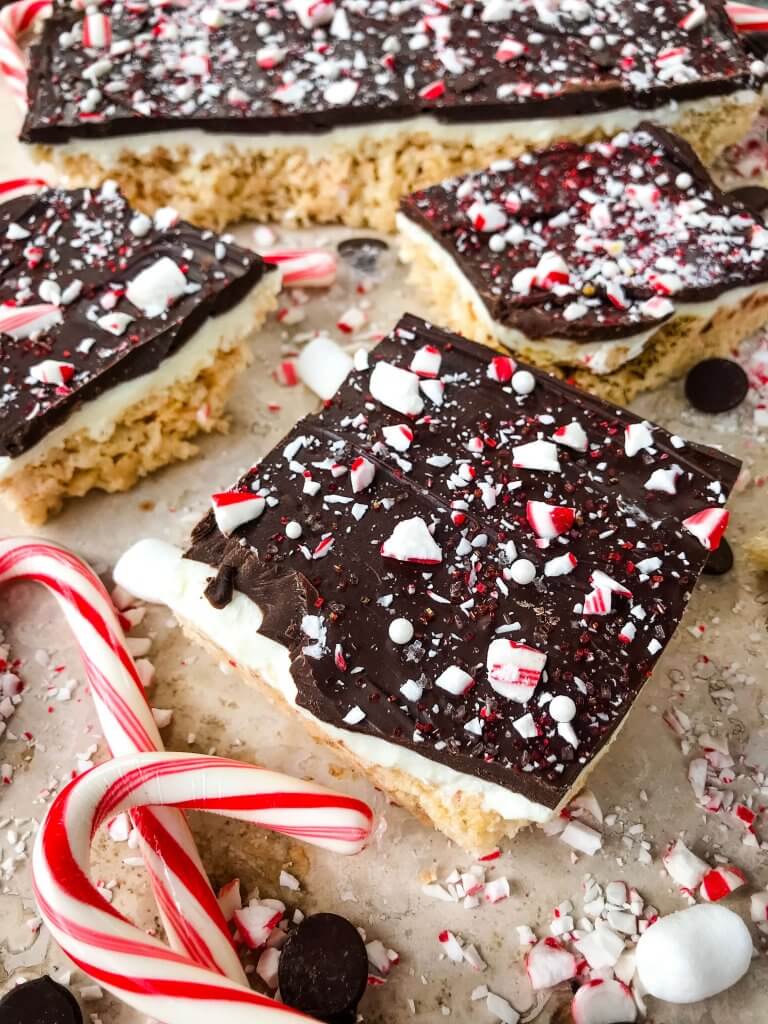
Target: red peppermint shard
<point>708,526</point>
<point>514,669</point>
<point>549,521</point>
<point>232,509</point>
<point>411,541</point>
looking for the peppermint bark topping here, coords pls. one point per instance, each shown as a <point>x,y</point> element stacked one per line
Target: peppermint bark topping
<point>596,242</point>
<point>492,616</point>
<point>313,64</point>
<point>93,294</point>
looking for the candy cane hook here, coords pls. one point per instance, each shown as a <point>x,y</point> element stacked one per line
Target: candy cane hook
<point>188,906</point>
<point>16,19</point>
<point>135,967</point>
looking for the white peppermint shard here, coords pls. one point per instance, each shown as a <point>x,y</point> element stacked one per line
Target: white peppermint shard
<point>156,288</point>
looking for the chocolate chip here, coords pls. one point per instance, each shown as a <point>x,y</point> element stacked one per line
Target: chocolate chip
<point>323,969</point>
<point>42,1001</point>
<point>720,560</point>
<point>716,385</point>
<point>362,254</point>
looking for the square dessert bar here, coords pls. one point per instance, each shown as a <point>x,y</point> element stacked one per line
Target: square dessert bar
<point>460,573</point>
<point>119,338</point>
<point>330,111</point>
<point>619,265</point>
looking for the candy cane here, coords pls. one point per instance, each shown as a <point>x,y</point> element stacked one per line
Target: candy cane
<point>14,187</point>
<point>133,966</point>
<point>746,18</point>
<point>191,915</point>
<point>307,268</point>
<point>15,20</point>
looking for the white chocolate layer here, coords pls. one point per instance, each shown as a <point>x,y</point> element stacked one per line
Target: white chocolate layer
<point>156,572</point>
<point>538,132</point>
<point>598,356</point>
<point>99,417</point>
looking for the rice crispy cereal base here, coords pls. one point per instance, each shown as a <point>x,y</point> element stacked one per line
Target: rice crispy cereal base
<point>356,185</point>
<point>757,550</point>
<point>463,820</point>
<point>150,434</point>
<point>668,354</point>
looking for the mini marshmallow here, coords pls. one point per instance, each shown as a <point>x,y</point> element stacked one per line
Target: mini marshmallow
<point>694,954</point>
<point>157,287</point>
<point>323,367</point>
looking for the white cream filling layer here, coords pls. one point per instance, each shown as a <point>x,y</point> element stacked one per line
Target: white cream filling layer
<point>156,572</point>
<point>99,417</point>
<point>540,131</point>
<point>599,356</point>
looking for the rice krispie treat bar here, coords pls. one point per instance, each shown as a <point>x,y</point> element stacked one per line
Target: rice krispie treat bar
<point>460,573</point>
<point>119,338</point>
<point>330,110</point>
<point>619,265</point>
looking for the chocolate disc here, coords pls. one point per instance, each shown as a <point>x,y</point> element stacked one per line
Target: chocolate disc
<point>323,969</point>
<point>720,560</point>
<point>716,385</point>
<point>42,1001</point>
<point>362,254</point>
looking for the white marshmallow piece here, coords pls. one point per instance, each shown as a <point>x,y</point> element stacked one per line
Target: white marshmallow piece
<point>396,388</point>
<point>323,366</point>
<point>694,954</point>
<point>156,288</point>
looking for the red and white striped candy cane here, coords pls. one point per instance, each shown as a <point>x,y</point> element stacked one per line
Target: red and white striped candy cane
<point>135,967</point>
<point>746,18</point>
<point>305,268</point>
<point>15,20</point>
<point>14,187</point>
<point>188,907</point>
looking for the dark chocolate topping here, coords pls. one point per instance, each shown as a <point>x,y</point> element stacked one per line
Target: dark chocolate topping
<point>262,66</point>
<point>323,969</point>
<point>331,595</point>
<point>42,1001</point>
<point>594,242</point>
<point>73,255</point>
